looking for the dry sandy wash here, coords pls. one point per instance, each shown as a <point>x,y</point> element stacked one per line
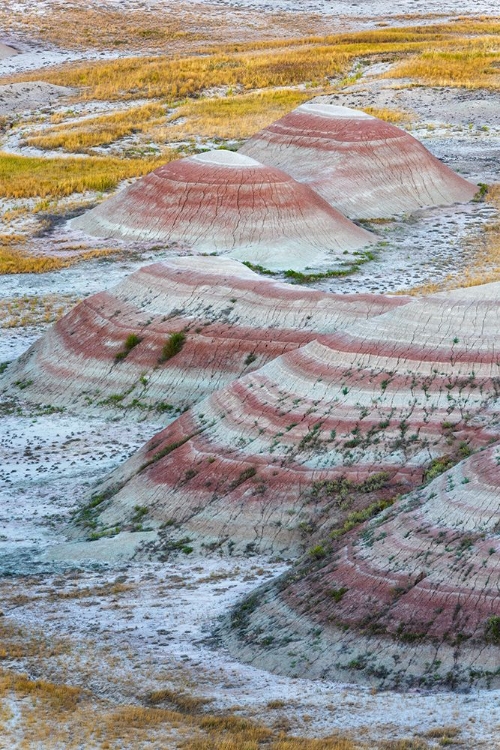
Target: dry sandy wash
<point>224,202</point>
<point>363,166</point>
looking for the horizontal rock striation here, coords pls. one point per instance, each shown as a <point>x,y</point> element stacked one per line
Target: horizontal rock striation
<point>216,319</point>
<point>409,599</point>
<point>364,167</point>
<point>281,456</point>
<point>228,203</point>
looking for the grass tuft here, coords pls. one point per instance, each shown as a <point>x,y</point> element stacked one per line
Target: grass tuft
<point>172,346</point>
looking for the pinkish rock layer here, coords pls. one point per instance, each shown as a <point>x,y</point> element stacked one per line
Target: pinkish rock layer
<point>364,167</point>
<point>409,599</point>
<point>230,204</point>
<point>233,319</point>
<point>283,454</point>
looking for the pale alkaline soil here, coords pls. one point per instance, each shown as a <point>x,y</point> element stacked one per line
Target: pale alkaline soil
<point>35,59</point>
<point>350,9</point>
<point>47,464</point>
<point>154,630</point>
<point>370,8</point>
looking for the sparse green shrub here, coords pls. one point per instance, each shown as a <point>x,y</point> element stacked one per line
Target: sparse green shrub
<point>243,477</point>
<point>438,466</point>
<point>481,193</point>
<point>258,269</point>
<point>139,512</point>
<point>113,399</point>
<point>22,384</point>
<point>251,358</point>
<point>167,450</point>
<point>357,517</point>
<point>492,630</point>
<point>337,594</point>
<point>172,346</point>
<point>130,343</point>
<point>163,407</point>
<point>241,614</point>
<point>318,552</point>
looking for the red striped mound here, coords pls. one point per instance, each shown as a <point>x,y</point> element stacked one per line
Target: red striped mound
<point>279,457</point>
<point>409,599</point>
<point>173,332</point>
<point>229,204</point>
<point>363,166</point>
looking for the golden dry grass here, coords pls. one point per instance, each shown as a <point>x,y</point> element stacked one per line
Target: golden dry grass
<point>13,260</point>
<point>52,712</point>
<point>36,310</point>
<point>159,77</point>
<point>60,697</point>
<point>75,25</point>
<point>98,131</point>
<point>105,590</point>
<point>285,62</point>
<point>81,26</point>
<point>396,116</point>
<point>18,643</point>
<point>31,177</point>
<point>248,742</point>
<point>263,79</point>
<point>473,64</point>
<point>252,66</point>
<point>62,715</point>
<point>231,117</point>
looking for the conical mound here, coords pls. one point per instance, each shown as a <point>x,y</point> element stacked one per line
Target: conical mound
<point>363,166</point>
<point>229,204</point>
<point>411,598</point>
<point>226,319</point>
<point>280,457</point>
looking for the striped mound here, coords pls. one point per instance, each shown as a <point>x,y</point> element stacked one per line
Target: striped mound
<point>282,455</point>
<point>410,599</point>
<point>227,203</point>
<point>364,167</point>
<point>195,324</point>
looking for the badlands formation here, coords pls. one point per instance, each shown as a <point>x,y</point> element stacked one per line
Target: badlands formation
<point>305,413</point>
<point>196,324</point>
<point>410,599</point>
<point>224,202</point>
<point>283,456</point>
<point>363,166</point>
<point>235,510</point>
